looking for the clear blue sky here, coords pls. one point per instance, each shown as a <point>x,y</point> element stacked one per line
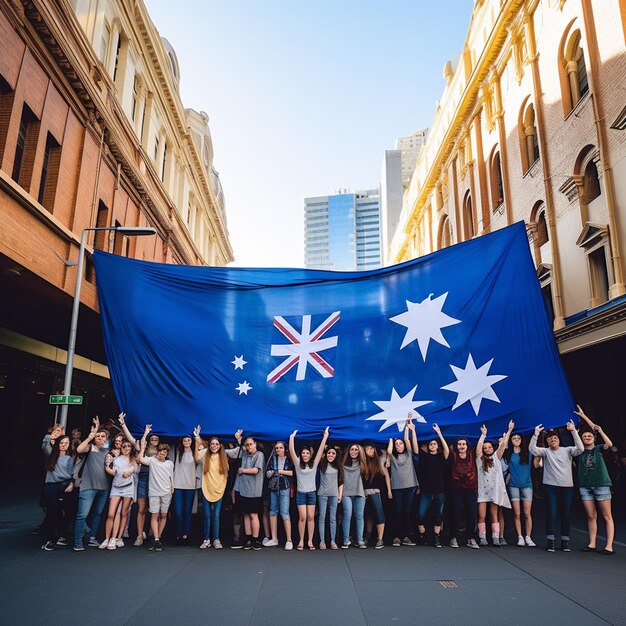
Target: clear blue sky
<point>303,98</point>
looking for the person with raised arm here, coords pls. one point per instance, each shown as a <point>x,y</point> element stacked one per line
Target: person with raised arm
<point>558,481</point>
<point>403,483</point>
<point>491,485</point>
<point>94,485</point>
<point>279,473</point>
<point>306,470</point>
<point>431,473</point>
<point>214,478</point>
<point>595,485</point>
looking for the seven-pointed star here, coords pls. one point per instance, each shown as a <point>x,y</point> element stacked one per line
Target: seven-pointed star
<point>424,321</point>
<point>239,362</point>
<point>395,411</point>
<point>243,387</point>
<point>474,384</point>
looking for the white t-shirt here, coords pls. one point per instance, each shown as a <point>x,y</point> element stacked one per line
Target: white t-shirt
<point>185,471</point>
<point>121,465</point>
<point>161,476</point>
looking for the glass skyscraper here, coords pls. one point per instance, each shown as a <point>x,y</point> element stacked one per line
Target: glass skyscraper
<point>342,232</point>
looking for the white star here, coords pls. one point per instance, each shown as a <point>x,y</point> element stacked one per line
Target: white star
<point>474,384</point>
<point>243,387</point>
<point>395,411</point>
<point>424,321</point>
<point>239,362</point>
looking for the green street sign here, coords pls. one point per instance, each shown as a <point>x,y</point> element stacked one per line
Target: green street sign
<point>66,399</point>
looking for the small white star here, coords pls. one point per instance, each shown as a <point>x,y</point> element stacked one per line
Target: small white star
<point>243,387</point>
<point>424,321</point>
<point>239,362</point>
<point>474,384</point>
<point>395,411</point>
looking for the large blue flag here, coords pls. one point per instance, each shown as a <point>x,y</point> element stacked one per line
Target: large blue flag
<point>459,337</point>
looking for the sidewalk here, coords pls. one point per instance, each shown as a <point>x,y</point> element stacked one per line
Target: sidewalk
<point>399,585</point>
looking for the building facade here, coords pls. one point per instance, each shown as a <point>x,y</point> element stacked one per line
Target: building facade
<point>391,191</point>
<point>410,147</point>
<point>531,126</point>
<point>342,232</point>
<point>93,133</point>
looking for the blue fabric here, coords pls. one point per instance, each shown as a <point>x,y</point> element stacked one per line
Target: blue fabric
<point>305,349</point>
<point>520,472</point>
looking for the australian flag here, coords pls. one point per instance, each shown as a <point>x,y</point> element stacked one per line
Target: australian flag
<point>460,338</point>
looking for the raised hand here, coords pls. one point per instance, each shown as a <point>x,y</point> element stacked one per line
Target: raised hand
<point>121,418</point>
<point>571,425</point>
<point>238,434</point>
<point>437,429</point>
<point>538,429</point>
<point>579,411</point>
<point>147,430</point>
<point>294,433</point>
<point>196,431</point>
<point>483,430</point>
<point>326,431</point>
<point>511,425</point>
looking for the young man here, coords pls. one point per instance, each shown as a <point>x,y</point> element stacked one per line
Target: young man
<point>160,489</point>
<point>94,485</point>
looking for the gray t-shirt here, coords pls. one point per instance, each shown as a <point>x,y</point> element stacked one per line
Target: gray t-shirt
<point>306,478</point>
<point>62,471</point>
<point>557,464</point>
<point>161,476</point>
<point>94,476</point>
<point>352,481</point>
<point>329,482</point>
<point>251,485</point>
<point>402,471</point>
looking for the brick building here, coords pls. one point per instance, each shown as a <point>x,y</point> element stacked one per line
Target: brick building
<point>92,133</point>
<point>531,126</point>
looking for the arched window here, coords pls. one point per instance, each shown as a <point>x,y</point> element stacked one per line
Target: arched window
<point>542,229</point>
<point>591,183</point>
<point>495,179</point>
<point>573,70</point>
<point>468,216</point>
<point>444,238</point>
<point>529,144</point>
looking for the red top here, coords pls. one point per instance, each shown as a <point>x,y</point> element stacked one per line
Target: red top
<point>463,474</point>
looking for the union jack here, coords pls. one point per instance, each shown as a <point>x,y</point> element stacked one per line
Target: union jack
<point>304,347</point>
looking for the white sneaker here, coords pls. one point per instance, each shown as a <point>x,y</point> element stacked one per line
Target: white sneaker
<point>270,543</point>
<point>112,545</point>
<point>289,545</point>
<point>119,543</point>
<point>529,542</point>
<point>217,544</point>
<point>205,544</point>
<point>520,541</point>
<point>104,545</point>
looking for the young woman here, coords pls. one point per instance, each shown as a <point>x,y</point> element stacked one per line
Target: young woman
<point>595,484</point>
<point>248,489</point>
<point>431,474</point>
<point>463,492</point>
<point>353,495</point>
<point>376,481</point>
<point>115,450</point>
<point>214,477</point>
<point>122,469</point>
<point>403,483</point>
<point>58,482</point>
<point>184,488</point>
<point>329,494</point>
<point>520,487</point>
<point>491,487</point>
<point>306,470</point>
<point>557,481</point>
<point>279,473</point>
<point>143,477</point>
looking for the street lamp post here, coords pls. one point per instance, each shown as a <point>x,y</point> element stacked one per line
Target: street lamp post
<point>129,231</point>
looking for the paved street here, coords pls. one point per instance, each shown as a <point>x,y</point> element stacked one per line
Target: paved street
<point>402,585</point>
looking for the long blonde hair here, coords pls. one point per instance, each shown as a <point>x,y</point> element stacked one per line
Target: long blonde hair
<point>223,467</point>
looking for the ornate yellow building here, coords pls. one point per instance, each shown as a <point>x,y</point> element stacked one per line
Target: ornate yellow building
<point>531,126</point>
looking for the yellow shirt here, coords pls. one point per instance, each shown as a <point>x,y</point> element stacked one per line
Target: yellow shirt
<point>213,483</point>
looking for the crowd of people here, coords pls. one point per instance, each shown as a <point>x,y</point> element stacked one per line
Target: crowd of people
<point>355,495</point>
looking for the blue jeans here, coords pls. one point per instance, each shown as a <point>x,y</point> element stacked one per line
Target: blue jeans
<point>463,498</point>
<point>89,499</point>
<point>558,500</point>
<point>211,519</point>
<point>350,503</point>
<point>376,503</point>
<point>279,503</point>
<point>183,506</point>
<point>330,503</point>
<point>436,500</point>
<point>402,501</point>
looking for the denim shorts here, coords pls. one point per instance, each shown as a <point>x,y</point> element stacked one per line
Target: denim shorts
<point>595,493</point>
<point>279,503</point>
<point>305,498</point>
<point>143,478</point>
<point>521,493</point>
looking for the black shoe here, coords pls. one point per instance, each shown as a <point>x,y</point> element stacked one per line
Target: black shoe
<point>158,546</point>
<point>565,545</point>
<point>588,549</point>
<point>237,545</point>
<point>421,539</point>
<point>256,545</point>
<point>248,545</point>
<point>437,543</point>
<point>550,547</point>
